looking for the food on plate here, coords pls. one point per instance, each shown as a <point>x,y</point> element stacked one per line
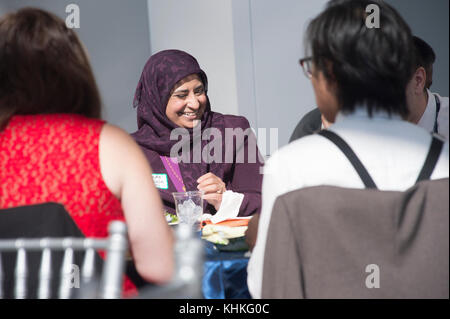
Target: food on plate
<point>234,222</point>
<point>219,234</point>
<point>171,218</point>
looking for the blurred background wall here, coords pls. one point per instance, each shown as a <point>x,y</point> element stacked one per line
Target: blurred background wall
<point>116,35</point>
<point>429,21</point>
<point>248,48</point>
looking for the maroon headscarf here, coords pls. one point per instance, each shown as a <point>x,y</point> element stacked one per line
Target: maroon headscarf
<point>161,72</point>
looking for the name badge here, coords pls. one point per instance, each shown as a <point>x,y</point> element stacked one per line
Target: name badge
<point>160,181</point>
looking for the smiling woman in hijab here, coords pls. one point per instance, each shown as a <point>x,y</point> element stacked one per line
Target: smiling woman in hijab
<point>172,94</point>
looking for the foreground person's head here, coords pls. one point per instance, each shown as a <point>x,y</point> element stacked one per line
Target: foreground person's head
<point>353,65</point>
<point>44,67</point>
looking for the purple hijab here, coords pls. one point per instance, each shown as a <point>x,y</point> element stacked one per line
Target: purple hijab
<point>161,72</point>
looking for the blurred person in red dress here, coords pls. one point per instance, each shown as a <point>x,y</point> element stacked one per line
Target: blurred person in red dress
<point>54,147</point>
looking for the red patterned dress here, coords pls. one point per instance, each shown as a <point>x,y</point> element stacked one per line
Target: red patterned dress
<point>55,158</point>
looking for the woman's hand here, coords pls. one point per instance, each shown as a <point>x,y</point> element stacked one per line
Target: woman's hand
<point>213,188</point>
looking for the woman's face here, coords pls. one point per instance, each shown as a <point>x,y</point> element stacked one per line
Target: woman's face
<point>187,102</point>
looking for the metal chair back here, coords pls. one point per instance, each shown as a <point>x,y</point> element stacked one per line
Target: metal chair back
<point>110,285</point>
<point>189,258</point>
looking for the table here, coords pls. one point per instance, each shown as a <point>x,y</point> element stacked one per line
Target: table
<point>225,274</point>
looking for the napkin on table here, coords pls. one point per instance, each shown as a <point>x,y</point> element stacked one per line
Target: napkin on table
<point>229,208</point>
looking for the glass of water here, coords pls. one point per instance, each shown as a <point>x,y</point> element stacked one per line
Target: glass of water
<point>189,207</point>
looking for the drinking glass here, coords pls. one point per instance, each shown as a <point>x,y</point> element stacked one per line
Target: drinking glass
<point>189,207</point>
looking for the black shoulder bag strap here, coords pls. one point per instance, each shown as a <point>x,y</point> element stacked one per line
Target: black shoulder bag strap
<point>438,107</point>
<point>346,149</point>
<point>430,162</point>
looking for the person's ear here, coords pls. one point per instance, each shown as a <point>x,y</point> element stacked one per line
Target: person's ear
<point>419,80</point>
<point>325,123</point>
<point>330,78</point>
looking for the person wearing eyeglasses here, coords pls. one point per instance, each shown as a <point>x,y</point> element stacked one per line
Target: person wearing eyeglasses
<point>359,77</point>
<point>427,109</point>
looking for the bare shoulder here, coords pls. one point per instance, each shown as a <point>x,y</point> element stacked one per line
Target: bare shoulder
<point>115,140</point>
<point>115,134</point>
<point>120,157</point>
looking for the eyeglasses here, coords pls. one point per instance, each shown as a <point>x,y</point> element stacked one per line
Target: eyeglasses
<point>306,64</point>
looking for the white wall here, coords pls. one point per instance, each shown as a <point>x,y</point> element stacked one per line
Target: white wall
<point>429,21</point>
<point>283,93</point>
<point>204,29</point>
<point>245,68</point>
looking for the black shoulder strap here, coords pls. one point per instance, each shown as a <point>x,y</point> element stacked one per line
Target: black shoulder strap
<point>345,148</point>
<point>430,162</point>
<point>438,107</point>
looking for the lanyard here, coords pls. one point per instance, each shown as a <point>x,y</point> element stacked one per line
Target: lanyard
<point>173,170</point>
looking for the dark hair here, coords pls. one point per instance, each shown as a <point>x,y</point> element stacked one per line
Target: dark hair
<point>43,68</point>
<point>424,57</point>
<point>370,66</point>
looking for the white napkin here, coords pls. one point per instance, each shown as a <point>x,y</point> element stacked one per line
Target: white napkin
<point>229,208</point>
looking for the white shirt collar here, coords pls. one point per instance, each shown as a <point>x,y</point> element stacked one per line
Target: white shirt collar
<point>361,113</point>
<point>429,115</point>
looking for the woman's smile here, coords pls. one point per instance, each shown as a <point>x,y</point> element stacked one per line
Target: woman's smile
<point>189,115</point>
<point>187,102</point>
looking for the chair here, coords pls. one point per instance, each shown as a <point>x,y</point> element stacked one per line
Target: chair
<point>73,247</point>
<point>333,242</point>
<point>187,280</point>
<point>337,242</point>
